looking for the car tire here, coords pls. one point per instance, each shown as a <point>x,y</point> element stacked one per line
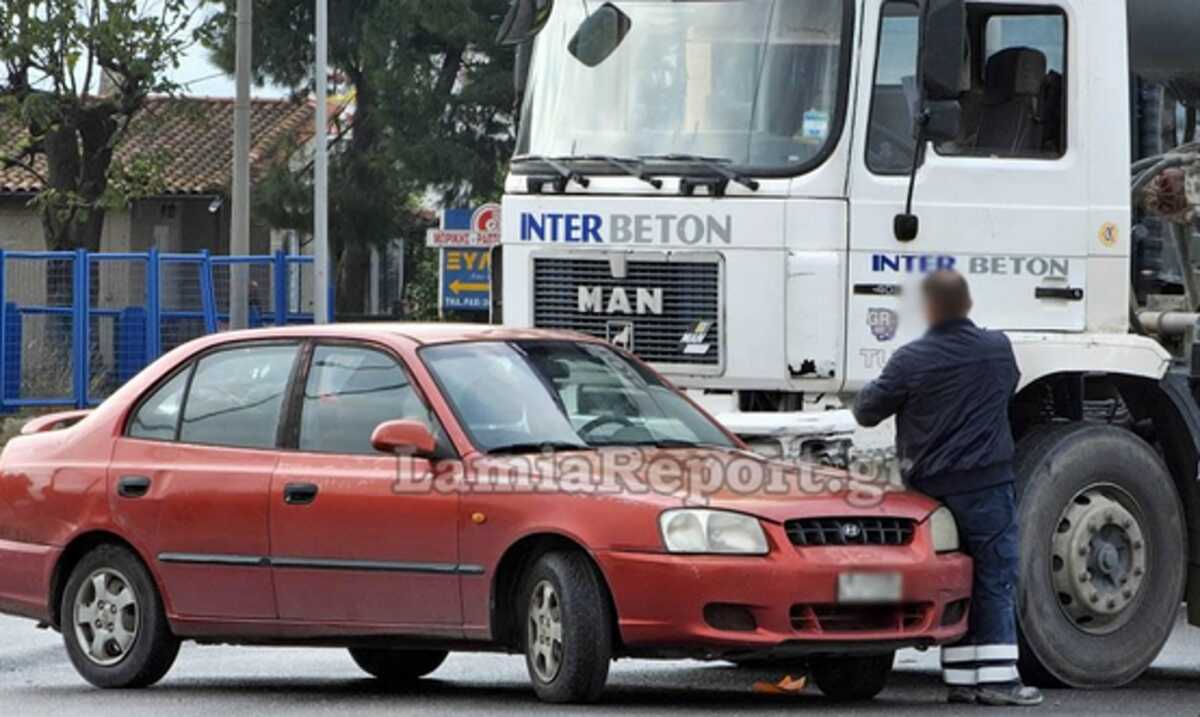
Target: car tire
<point>398,667</point>
<point>1068,477</point>
<point>565,623</point>
<point>113,623</point>
<point>852,679</point>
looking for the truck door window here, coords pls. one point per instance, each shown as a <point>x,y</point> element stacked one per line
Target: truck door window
<point>1014,102</point>
<point>890,142</point>
<point>1016,106</point>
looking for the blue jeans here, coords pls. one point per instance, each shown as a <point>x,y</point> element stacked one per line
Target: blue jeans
<point>987,521</point>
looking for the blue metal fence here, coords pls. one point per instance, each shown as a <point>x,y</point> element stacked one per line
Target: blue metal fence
<point>77,325</point>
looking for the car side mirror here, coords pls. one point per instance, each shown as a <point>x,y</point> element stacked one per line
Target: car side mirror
<point>525,19</point>
<point>600,35</point>
<point>404,438</point>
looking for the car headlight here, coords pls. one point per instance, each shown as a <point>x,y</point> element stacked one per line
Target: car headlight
<point>712,532</point>
<point>945,530</point>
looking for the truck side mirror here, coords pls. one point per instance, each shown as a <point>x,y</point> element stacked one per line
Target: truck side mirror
<point>943,50</point>
<point>525,19</point>
<point>941,63</point>
<point>600,35</point>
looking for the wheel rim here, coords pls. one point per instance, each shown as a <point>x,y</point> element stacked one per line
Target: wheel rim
<point>1100,559</point>
<point>545,631</point>
<point>107,617</point>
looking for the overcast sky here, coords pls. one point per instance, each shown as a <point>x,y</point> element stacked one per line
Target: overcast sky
<point>200,77</point>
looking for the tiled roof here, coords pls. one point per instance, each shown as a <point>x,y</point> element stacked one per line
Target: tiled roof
<point>194,138</point>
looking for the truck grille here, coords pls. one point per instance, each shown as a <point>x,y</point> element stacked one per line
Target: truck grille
<point>690,293</point>
<point>812,532</point>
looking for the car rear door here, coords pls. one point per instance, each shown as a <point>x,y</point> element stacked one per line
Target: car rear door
<point>190,479</point>
<point>358,536</point>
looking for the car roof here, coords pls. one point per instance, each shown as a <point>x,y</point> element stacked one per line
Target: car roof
<point>420,333</point>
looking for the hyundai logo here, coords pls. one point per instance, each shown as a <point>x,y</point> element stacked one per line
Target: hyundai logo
<point>851,531</point>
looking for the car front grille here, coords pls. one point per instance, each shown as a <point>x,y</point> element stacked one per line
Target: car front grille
<point>690,295</point>
<point>816,532</point>
<point>826,619</point>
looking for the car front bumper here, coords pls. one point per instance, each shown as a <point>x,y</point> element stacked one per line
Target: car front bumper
<point>667,604</point>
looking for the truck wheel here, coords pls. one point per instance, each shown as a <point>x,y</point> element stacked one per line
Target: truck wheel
<point>566,625</point>
<point>113,623</point>
<point>1102,556</point>
<point>398,667</point>
<point>852,679</point>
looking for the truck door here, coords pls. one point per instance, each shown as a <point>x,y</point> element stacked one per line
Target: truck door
<point>1006,205</point>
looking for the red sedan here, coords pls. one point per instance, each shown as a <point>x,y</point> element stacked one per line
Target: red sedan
<point>407,491</point>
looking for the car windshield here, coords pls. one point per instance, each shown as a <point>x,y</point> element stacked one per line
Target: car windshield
<point>754,82</point>
<point>521,397</point>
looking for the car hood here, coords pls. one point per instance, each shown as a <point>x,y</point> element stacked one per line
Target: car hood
<point>712,478</point>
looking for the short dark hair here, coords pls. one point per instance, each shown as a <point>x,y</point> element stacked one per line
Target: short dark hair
<point>947,294</point>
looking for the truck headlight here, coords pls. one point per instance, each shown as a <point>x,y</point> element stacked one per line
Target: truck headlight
<point>945,530</point>
<point>712,532</point>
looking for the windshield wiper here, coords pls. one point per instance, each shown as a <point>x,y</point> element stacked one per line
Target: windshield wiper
<point>716,165</point>
<point>632,167</point>
<point>566,175</point>
<point>536,447</point>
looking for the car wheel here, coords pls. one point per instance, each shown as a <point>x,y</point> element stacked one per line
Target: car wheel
<point>566,627</point>
<point>852,679</point>
<point>113,623</point>
<point>398,667</point>
<point>1103,555</point>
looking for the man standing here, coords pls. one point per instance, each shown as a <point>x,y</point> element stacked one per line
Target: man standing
<point>950,392</point>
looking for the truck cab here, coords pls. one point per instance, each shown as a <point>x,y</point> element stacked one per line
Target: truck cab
<point>721,188</point>
<point>795,285</point>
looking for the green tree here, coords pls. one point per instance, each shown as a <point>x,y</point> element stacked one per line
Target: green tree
<point>431,115</point>
<point>53,54</point>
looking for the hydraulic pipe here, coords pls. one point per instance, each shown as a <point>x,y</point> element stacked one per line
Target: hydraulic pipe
<point>1167,323</point>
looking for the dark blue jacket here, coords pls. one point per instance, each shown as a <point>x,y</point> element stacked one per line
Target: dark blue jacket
<point>950,392</point>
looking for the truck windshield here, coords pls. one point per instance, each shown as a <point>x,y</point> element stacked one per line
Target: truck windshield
<point>756,82</point>
<point>526,396</point>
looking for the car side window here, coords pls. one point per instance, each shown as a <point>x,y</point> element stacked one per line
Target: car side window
<point>157,419</point>
<point>349,392</point>
<point>237,397</point>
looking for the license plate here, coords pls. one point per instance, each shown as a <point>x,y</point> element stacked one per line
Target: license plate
<point>869,588</point>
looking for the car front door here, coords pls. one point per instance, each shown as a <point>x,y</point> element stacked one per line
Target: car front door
<point>190,477</point>
<point>358,536</point>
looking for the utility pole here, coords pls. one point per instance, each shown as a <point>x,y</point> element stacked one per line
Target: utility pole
<point>321,170</point>
<point>239,274</point>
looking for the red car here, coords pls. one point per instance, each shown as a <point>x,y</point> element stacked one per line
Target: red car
<point>406,491</point>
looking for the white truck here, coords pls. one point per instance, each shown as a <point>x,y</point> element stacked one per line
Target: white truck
<point>720,187</point>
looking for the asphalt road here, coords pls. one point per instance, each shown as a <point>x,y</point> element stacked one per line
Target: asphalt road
<point>37,679</point>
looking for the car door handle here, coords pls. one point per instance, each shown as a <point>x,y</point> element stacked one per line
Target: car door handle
<point>300,493</point>
<point>133,486</point>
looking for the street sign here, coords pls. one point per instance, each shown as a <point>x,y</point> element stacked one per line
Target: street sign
<point>464,239</point>
<point>466,280</point>
<point>464,228</point>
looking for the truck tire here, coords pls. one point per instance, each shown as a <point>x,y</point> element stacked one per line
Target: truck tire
<point>852,679</point>
<point>566,628</point>
<point>113,623</point>
<point>1103,555</point>
<point>398,667</point>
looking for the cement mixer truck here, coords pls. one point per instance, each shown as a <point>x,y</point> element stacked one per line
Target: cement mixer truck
<point>743,193</point>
